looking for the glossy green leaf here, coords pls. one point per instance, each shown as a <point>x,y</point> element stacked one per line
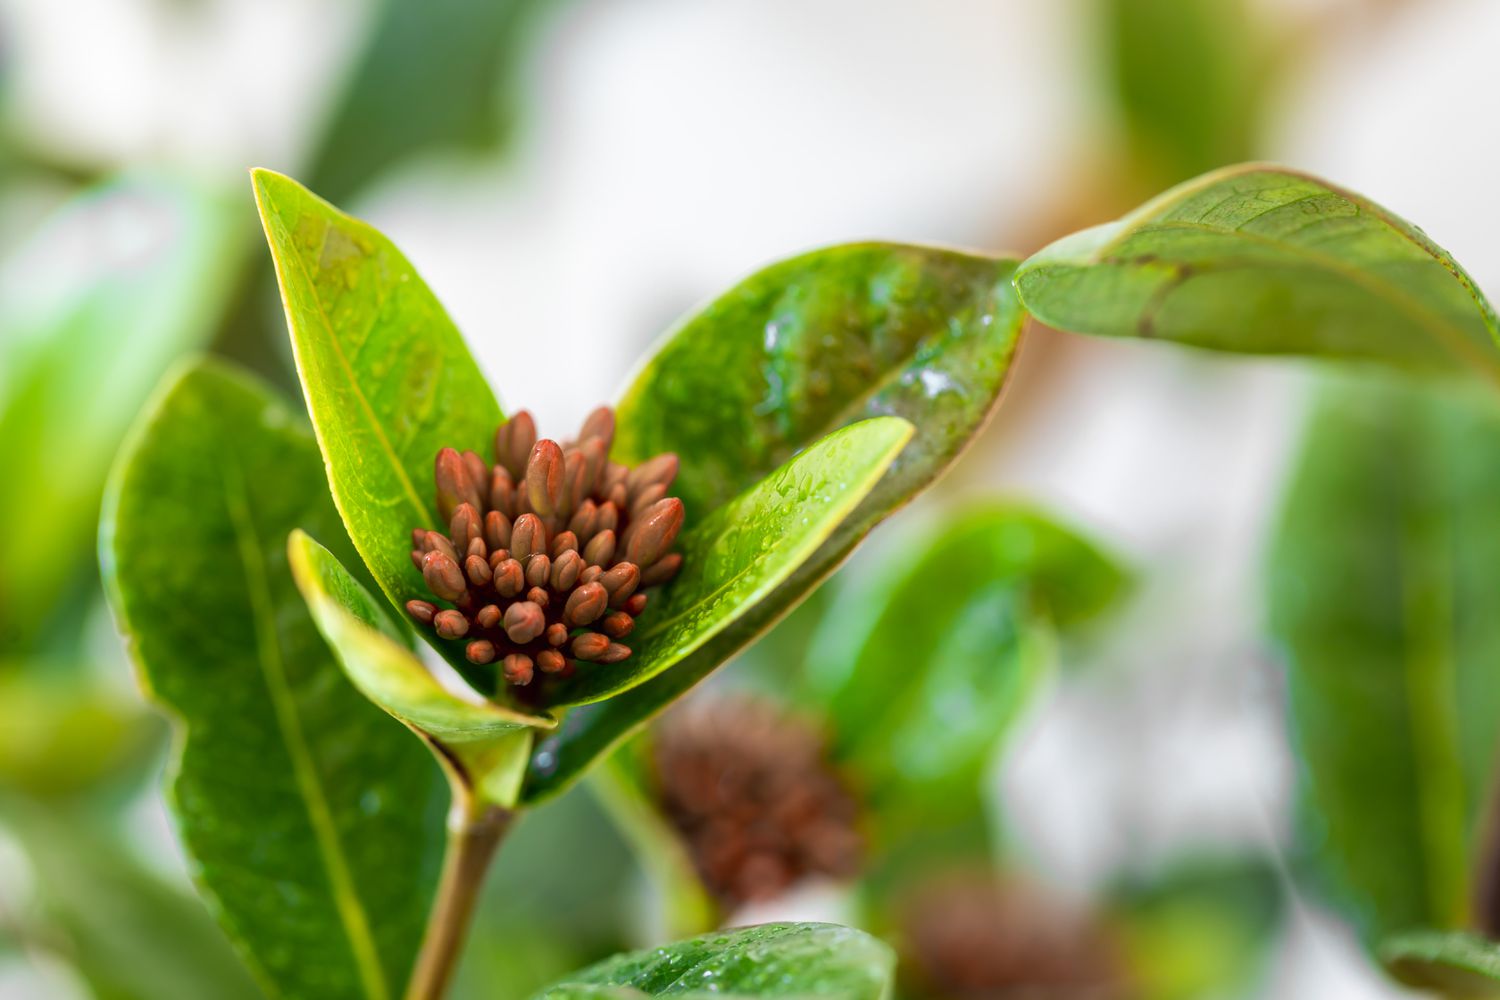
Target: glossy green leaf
<point>1382,579</point>
<point>1264,260</point>
<point>922,665</point>
<point>387,377</point>
<point>732,560</point>
<point>128,933</point>
<point>105,295</point>
<point>489,742</point>
<point>739,554</point>
<point>1447,963</point>
<point>780,960</point>
<point>312,822</point>
<point>432,75</point>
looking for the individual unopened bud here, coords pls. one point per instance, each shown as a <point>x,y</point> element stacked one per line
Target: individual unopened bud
<point>613,653</point>
<point>617,625</point>
<point>510,580</point>
<point>646,497</point>
<point>502,490</point>
<point>433,541</point>
<point>653,535</point>
<point>497,530</point>
<point>479,472</point>
<point>527,536</point>
<point>451,476</point>
<point>601,549</point>
<point>582,522</point>
<point>544,478</point>
<point>591,573</point>
<point>416,558</point>
<point>513,443</point>
<point>451,624</point>
<point>621,581</point>
<point>517,669</point>
<point>478,548</point>
<point>595,456</point>
<point>609,517</point>
<point>538,569</point>
<point>488,616</point>
<point>478,570</point>
<point>636,605</point>
<point>662,570</point>
<point>557,634</point>
<point>566,541</point>
<point>551,661</point>
<point>618,495</point>
<point>524,621</point>
<point>539,596</point>
<point>480,651</point>
<point>565,570</point>
<point>575,478</point>
<point>600,423</point>
<point>659,470</point>
<point>443,576</point>
<point>585,604</point>
<point>422,611</point>
<point>590,645</point>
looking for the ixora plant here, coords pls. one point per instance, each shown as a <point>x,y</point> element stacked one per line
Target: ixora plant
<point>764,437</point>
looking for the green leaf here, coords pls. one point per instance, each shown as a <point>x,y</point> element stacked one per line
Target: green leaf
<point>736,556</point>
<point>797,350</point>
<point>1382,579</point>
<point>387,377</point>
<point>109,291</point>
<point>312,822</point>
<point>1450,964</point>
<point>922,666</point>
<point>128,933</point>
<point>781,960</point>
<point>457,86</point>
<point>732,560</point>
<point>490,743</point>
<point>1264,260</point>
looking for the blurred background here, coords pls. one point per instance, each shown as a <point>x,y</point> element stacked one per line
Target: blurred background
<point>570,177</point>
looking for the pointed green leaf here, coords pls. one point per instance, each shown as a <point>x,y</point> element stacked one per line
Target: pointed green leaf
<point>740,553</point>
<point>489,742</point>
<point>732,560</point>
<point>312,822</point>
<point>1264,260</point>
<point>1382,580</point>
<point>922,666</point>
<point>387,377</point>
<point>111,289</point>
<point>770,960</point>
<point>1450,964</point>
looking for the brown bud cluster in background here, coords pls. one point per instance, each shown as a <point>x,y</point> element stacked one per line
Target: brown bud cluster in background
<point>972,936</point>
<point>549,551</point>
<point>754,796</point>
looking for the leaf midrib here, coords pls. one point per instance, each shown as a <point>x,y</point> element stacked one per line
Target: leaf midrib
<point>273,670</point>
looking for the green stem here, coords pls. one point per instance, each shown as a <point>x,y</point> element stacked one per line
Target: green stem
<point>475,830</point>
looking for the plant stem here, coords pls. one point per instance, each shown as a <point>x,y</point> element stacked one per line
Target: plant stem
<point>474,832</point>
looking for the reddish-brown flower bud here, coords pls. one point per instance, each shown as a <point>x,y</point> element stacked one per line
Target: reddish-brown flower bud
<point>654,533</point>
<point>480,651</point>
<point>451,624</point>
<point>544,478</point>
<point>443,576</point>
<point>422,611</point>
<point>585,604</point>
<point>517,669</point>
<point>551,661</point>
<point>600,549</point>
<point>527,536</point>
<point>514,441</point>
<point>590,645</point>
<point>524,621</point>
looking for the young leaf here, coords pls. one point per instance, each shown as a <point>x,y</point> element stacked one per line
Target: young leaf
<point>387,377</point>
<point>747,547</point>
<point>112,288</point>
<point>1264,260</point>
<point>1382,579</point>
<point>733,559</point>
<point>312,822</point>
<point>922,667</point>
<point>489,743</point>
<point>1450,964</point>
<point>771,960</point>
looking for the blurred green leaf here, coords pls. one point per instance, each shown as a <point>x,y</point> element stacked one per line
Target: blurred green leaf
<point>490,743</point>
<point>732,560</point>
<point>1189,80</point>
<point>435,74</point>
<point>1382,579</point>
<point>113,287</point>
<point>130,935</point>
<point>922,666</point>
<point>799,349</point>
<point>61,734</point>
<point>1263,260</point>
<point>1202,928</point>
<point>783,960</point>
<point>312,821</point>
<point>1450,964</point>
